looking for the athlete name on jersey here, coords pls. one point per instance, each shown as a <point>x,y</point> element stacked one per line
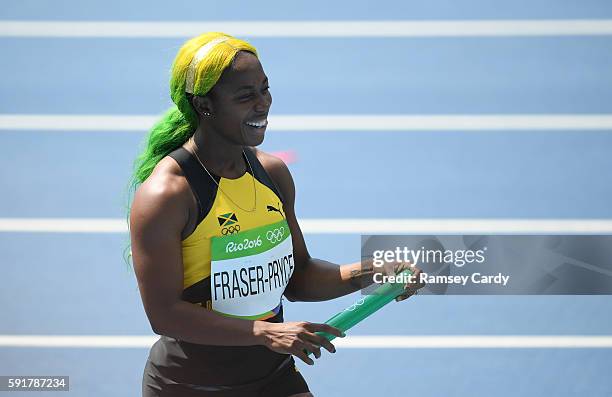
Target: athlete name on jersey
<point>250,270</point>
<point>253,280</point>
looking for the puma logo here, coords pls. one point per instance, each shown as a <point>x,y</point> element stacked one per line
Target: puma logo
<point>272,208</point>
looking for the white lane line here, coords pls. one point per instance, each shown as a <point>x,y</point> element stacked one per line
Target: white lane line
<point>64,225</point>
<point>55,122</point>
<point>351,342</point>
<point>85,341</point>
<point>458,226</point>
<point>342,226</point>
<point>313,123</point>
<point>355,28</point>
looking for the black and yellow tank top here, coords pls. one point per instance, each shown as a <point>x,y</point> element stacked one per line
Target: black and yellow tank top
<point>236,262</point>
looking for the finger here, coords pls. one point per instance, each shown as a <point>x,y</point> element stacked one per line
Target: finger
<point>416,274</point>
<point>408,292</point>
<point>408,265</point>
<point>416,281</point>
<point>314,327</point>
<point>420,282</point>
<point>403,296</point>
<point>302,355</point>
<point>314,349</point>
<point>321,341</point>
<point>400,267</point>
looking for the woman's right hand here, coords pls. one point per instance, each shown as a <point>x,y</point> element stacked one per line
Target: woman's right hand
<point>296,338</point>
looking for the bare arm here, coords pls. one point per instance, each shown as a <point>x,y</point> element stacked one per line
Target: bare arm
<point>313,279</point>
<point>158,216</point>
<point>316,279</point>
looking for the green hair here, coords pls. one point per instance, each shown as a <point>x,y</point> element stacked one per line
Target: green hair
<point>180,122</point>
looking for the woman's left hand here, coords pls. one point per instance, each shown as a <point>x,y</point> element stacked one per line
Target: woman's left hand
<point>410,288</point>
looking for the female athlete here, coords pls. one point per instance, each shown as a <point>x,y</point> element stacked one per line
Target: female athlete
<point>215,240</point>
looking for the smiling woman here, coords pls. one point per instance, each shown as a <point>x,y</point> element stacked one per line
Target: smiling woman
<point>197,68</point>
<point>215,240</point>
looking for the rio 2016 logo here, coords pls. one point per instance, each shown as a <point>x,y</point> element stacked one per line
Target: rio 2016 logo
<point>246,244</point>
<point>276,235</point>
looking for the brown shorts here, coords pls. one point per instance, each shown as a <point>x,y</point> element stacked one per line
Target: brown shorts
<point>285,381</point>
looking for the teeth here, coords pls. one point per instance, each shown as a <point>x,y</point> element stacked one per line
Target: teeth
<point>258,124</point>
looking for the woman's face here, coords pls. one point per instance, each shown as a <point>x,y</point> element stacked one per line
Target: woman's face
<point>240,102</point>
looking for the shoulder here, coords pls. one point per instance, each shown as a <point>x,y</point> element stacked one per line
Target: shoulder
<point>272,164</point>
<point>278,171</point>
<point>164,197</point>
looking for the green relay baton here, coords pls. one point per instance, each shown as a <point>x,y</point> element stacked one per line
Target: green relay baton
<point>365,306</point>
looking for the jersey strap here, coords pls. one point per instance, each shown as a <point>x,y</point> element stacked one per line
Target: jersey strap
<point>201,184</point>
<point>261,174</point>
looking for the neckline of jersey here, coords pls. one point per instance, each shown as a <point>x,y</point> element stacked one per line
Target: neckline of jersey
<point>246,164</point>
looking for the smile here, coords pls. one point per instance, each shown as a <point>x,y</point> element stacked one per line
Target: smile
<point>258,124</point>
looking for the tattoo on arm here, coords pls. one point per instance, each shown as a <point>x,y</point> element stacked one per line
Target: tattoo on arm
<point>356,276</point>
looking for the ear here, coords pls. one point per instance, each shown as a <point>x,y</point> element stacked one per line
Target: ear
<point>202,104</point>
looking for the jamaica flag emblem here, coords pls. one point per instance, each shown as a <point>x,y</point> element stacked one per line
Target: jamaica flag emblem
<point>227,219</point>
